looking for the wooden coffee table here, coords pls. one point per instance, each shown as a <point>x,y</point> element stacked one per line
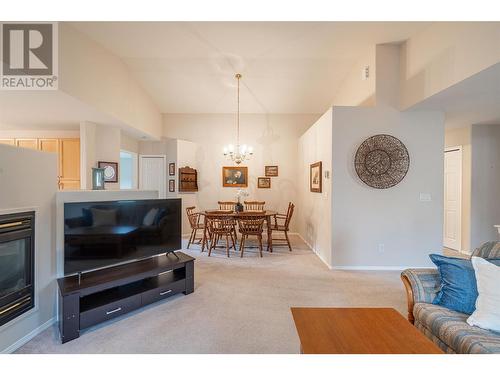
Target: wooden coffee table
<point>358,331</point>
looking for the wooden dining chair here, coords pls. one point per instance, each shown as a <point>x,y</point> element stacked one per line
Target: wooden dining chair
<point>254,205</point>
<point>226,206</point>
<point>282,224</point>
<point>194,222</point>
<point>250,226</point>
<point>220,226</point>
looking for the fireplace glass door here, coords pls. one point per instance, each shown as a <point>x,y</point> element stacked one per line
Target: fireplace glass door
<point>16,265</point>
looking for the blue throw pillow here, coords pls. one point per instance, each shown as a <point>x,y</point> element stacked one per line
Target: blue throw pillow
<point>458,284</point>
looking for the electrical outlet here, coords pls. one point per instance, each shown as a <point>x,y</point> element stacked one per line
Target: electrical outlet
<point>381,248</point>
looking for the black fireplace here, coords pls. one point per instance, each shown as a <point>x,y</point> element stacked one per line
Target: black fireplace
<point>17,268</point>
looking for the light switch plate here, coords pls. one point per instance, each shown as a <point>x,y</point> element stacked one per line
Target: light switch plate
<point>425,197</point>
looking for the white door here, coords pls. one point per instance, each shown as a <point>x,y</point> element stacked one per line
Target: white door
<point>153,174</point>
<point>453,198</point>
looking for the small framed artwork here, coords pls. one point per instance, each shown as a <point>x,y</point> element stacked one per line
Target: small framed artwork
<point>315,177</point>
<point>110,170</point>
<point>171,186</point>
<point>171,169</point>
<point>235,176</point>
<point>271,170</point>
<point>264,182</point>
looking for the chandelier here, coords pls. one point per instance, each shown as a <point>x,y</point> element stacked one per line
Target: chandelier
<point>239,153</point>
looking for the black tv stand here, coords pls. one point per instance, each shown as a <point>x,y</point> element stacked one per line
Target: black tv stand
<point>105,294</point>
<point>171,252</point>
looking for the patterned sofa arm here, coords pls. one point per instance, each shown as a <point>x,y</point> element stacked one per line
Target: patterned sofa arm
<point>421,285</point>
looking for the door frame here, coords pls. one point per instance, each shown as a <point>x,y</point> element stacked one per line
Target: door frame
<point>164,157</point>
<point>460,189</point>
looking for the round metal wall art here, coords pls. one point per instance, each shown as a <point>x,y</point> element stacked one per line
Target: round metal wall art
<point>382,161</point>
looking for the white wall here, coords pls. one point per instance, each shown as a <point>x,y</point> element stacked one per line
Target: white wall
<point>444,54</point>
<point>107,148</point>
<point>389,227</point>
<point>373,228</point>
<point>98,143</point>
<point>186,157</point>
<point>363,218</point>
<point>480,181</point>
<point>167,147</point>
<point>129,143</point>
<point>314,210</point>
<point>275,141</point>
<point>354,90</point>
<point>28,182</point>
<point>485,188</point>
<point>183,154</point>
<point>94,75</point>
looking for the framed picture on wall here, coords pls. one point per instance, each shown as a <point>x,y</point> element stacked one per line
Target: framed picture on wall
<point>315,177</point>
<point>264,183</point>
<point>171,169</point>
<point>110,170</point>
<point>171,186</point>
<point>235,176</point>
<point>271,170</point>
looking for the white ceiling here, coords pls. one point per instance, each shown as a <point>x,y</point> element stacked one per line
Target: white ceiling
<point>475,100</point>
<point>287,67</point>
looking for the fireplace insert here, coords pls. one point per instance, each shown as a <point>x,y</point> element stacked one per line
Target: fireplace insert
<point>17,269</point>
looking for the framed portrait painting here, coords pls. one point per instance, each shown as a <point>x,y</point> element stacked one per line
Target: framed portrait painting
<point>264,183</point>
<point>315,177</point>
<point>235,176</point>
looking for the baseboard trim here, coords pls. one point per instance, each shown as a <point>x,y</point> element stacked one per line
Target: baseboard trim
<point>29,336</point>
<point>376,268</point>
<point>313,250</point>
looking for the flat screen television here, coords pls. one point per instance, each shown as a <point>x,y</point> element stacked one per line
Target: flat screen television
<point>103,234</point>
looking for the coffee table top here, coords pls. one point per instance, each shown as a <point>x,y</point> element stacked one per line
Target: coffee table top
<point>358,331</point>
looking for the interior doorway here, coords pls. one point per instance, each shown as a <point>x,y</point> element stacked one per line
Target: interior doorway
<point>153,174</point>
<point>452,229</point>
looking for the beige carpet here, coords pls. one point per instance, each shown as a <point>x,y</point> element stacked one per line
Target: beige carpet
<point>238,306</point>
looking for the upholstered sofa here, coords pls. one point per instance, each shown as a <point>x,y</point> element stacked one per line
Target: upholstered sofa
<point>447,328</point>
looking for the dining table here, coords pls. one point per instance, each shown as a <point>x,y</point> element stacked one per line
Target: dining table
<point>267,214</point>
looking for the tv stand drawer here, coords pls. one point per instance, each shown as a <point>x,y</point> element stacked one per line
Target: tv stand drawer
<point>109,311</point>
<point>163,292</point>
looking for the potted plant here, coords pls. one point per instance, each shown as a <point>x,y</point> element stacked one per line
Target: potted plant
<point>240,193</point>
